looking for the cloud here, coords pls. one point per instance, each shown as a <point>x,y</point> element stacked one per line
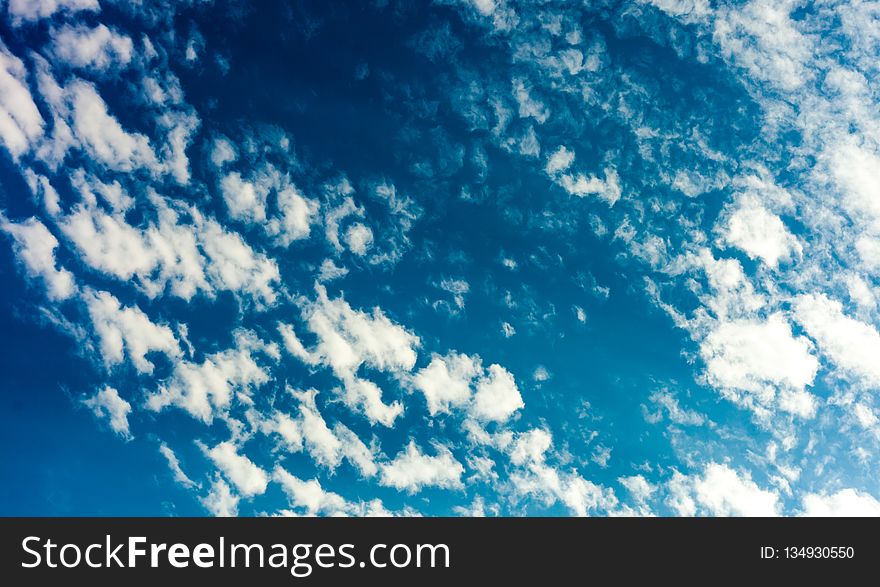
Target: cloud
<point>101,134</point>
<point>309,495</point>
<point>348,338</point>
<point>20,121</point>
<point>759,233</point>
<point>411,470</point>
<point>497,397</point>
<point>249,479</point>
<point>297,214</point>
<point>666,404</point>
<point>30,10</point>
<point>686,10</point>
<point>199,256</point>
<point>762,358</point>
<point>638,487</point>
<point>107,404</point>
<point>844,503</point>
<point>127,331</point>
<point>322,444</point>
<point>220,501</point>
<point>174,464</point>
<point>245,200</point>
<point>364,396</point>
<point>34,247</point>
<point>98,48</point>
<point>579,184</point>
<point>852,345</point>
<point>446,381</point>
<point>721,491</point>
<point>205,389</point>
<point>359,238</point>
<point>534,477</point>
<point>761,37</point>
<point>330,271</point>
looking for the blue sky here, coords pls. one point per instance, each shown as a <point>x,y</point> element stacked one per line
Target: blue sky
<point>451,258</point>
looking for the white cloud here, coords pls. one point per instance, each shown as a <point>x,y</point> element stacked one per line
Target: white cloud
<point>330,271</point>
<point>200,256</point>
<point>638,487</point>
<point>497,397</point>
<point>686,10</point>
<point>297,214</point>
<point>320,442</point>
<point>541,374</point>
<point>761,37</point>
<point>34,247</point>
<point>852,345</point>
<point>762,357</point>
<point>844,503</point>
<point>528,105</point>
<point>411,470</point>
<point>534,477</point>
<point>30,10</point>
<point>248,478</point>
<point>856,171</point>
<point>102,135</point>
<point>446,381</point>
<point>359,238</point>
<point>234,265</point>
<point>245,200</point>
<point>355,451</point>
<point>220,501</point>
<point>223,152</point>
<point>349,338</point>
<point>722,491</point>
<point>107,403</point>
<point>759,233</point>
<point>127,331</point>
<point>507,329</point>
<point>174,464</point>
<point>309,495</point>
<point>579,184</point>
<point>364,396</point>
<point>206,387</point>
<point>582,185</point>
<point>20,122</point>
<point>98,47</point>
<point>560,160</point>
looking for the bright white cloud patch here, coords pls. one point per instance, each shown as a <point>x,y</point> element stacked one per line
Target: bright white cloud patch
<point>297,216</point>
<point>446,381</point>
<point>359,238</point>
<point>98,47</point>
<point>412,470</point>
<point>207,388</point>
<point>721,491</point>
<point>108,405</point>
<point>220,501</point>
<point>759,233</point>
<point>29,10</point>
<point>101,134</point>
<point>128,331</point>
<point>35,247</point>
<point>174,464</point>
<point>247,477</point>
<point>763,358</point>
<point>844,503</point>
<point>497,397</point>
<point>309,495</point>
<point>20,122</point>
<point>852,345</point>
